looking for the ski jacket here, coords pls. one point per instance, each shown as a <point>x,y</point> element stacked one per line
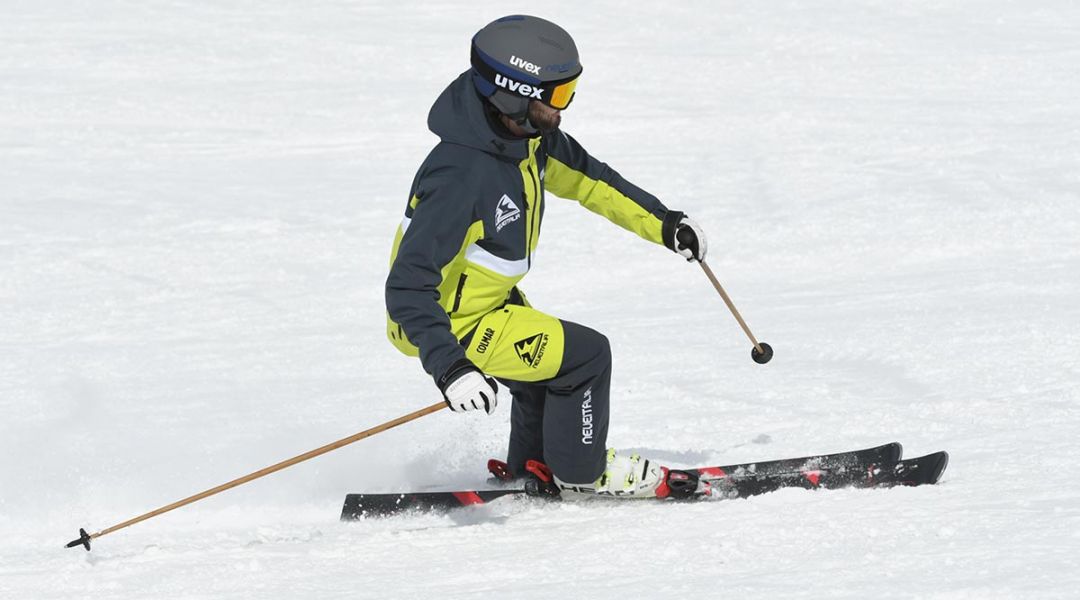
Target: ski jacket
<point>473,221</point>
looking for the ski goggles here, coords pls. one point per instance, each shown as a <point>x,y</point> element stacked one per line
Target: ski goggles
<point>557,93</point>
<point>562,93</point>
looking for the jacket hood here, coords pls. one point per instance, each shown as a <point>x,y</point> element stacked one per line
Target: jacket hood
<point>459,117</point>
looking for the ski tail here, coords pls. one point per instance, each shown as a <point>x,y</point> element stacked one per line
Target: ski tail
<point>372,505</point>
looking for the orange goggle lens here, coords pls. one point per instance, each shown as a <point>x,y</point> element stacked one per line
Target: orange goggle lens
<point>563,94</point>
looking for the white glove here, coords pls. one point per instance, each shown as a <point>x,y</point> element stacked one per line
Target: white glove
<point>690,240</point>
<point>465,388</point>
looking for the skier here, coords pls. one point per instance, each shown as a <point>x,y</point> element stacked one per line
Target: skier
<point>471,229</point>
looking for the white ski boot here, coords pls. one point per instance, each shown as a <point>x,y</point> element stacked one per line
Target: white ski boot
<point>626,476</point>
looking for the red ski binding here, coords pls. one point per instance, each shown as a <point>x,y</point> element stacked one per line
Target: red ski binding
<point>542,483</point>
<point>499,470</point>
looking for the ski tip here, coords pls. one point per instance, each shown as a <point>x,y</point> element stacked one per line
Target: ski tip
<point>943,462</point>
<point>895,451</point>
<point>929,468</point>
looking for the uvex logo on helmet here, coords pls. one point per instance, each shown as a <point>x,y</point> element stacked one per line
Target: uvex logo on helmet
<point>522,88</point>
<point>525,65</point>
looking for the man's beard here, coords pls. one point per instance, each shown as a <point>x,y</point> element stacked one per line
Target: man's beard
<point>544,123</point>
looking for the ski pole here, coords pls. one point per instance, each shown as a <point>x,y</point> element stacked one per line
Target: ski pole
<point>84,538</point>
<point>761,352</point>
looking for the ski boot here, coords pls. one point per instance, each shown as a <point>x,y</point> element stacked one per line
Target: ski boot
<point>635,477</point>
<point>640,479</point>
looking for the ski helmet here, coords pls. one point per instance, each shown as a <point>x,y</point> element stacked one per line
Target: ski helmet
<point>520,58</point>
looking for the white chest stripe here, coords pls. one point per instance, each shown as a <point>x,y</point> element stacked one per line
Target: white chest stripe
<point>405,224</point>
<point>510,268</point>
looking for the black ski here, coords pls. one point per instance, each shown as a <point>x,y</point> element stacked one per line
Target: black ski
<point>842,469</point>
<point>885,453</point>
<point>374,505</point>
<point>924,470</point>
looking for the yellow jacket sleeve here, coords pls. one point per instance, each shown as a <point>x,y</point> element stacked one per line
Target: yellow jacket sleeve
<point>573,174</point>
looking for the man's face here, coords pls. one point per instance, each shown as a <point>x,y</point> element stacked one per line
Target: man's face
<point>543,117</point>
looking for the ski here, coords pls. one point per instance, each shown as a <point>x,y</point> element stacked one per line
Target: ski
<point>924,470</point>
<point>886,453</point>
<point>877,466</point>
<point>376,505</point>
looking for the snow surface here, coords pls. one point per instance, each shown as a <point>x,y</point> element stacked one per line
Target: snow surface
<point>197,201</point>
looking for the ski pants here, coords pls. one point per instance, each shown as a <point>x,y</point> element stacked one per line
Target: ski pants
<point>559,374</point>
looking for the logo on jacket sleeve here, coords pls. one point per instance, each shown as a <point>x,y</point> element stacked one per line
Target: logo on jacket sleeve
<point>531,349</point>
<point>505,213</point>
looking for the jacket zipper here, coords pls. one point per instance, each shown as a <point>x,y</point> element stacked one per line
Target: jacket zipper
<point>535,213</point>
<point>457,296</point>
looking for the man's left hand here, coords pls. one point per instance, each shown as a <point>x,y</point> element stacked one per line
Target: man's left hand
<point>690,240</point>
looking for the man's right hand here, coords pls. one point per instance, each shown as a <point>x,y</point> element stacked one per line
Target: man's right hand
<point>466,388</point>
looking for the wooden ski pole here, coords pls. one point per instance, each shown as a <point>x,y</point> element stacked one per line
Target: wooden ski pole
<point>84,538</point>
<point>762,352</point>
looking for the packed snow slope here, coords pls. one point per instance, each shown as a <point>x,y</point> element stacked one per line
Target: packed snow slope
<point>197,201</point>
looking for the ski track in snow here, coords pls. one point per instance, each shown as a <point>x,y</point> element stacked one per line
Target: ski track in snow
<point>197,202</point>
